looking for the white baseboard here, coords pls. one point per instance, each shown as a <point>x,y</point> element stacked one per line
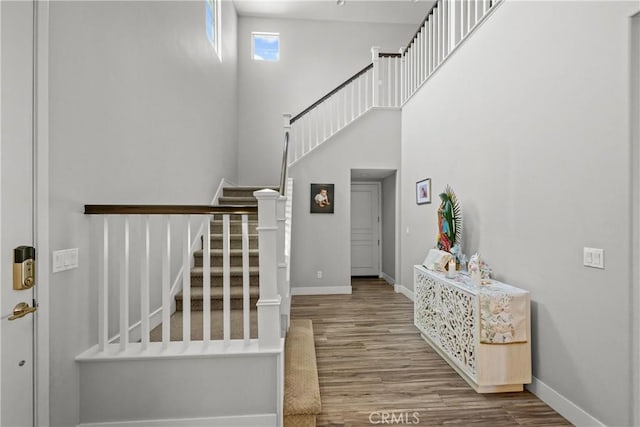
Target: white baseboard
<point>572,412</point>
<point>321,290</point>
<point>399,289</point>
<point>261,420</point>
<point>390,280</point>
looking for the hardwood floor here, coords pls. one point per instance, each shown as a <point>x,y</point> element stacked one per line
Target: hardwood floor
<point>374,366</point>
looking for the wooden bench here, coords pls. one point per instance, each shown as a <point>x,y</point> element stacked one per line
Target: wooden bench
<point>301,386</point>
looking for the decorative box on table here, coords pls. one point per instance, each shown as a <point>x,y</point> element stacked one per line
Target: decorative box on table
<point>483,332</point>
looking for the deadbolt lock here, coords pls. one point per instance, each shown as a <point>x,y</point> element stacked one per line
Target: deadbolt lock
<point>24,267</point>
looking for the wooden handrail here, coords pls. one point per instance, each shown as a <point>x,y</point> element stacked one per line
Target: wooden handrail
<point>389,55</point>
<point>168,210</point>
<point>324,98</point>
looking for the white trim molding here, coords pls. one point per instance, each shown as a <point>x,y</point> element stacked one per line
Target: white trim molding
<point>390,280</point>
<point>321,290</point>
<point>400,289</point>
<point>572,412</point>
<point>259,420</point>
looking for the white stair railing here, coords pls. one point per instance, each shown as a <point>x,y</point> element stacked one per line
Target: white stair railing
<point>392,78</point>
<point>140,275</point>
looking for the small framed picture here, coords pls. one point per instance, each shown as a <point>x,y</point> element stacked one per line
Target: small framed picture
<point>423,191</point>
<point>321,199</point>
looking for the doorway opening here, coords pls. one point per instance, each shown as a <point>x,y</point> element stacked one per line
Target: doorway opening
<point>373,223</point>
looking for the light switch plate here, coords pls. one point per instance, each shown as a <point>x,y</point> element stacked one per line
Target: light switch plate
<point>593,257</point>
<point>65,259</point>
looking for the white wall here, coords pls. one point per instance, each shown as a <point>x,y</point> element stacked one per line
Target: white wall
<point>389,226</point>
<point>177,388</point>
<point>322,241</point>
<point>315,57</point>
<point>141,111</point>
<point>529,122</point>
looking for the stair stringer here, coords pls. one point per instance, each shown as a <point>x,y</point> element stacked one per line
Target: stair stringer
<point>333,136</point>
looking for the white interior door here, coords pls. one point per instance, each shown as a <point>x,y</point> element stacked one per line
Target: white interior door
<point>16,209</point>
<point>365,229</point>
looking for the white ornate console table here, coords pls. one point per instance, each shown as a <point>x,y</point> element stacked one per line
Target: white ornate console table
<point>483,332</point>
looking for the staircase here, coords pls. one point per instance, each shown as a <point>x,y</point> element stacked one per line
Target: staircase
<point>237,197</point>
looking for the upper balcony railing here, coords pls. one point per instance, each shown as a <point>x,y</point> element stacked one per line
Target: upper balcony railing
<point>391,79</point>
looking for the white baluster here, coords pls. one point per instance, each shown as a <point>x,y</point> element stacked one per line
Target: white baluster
<point>226,280</point>
<point>402,77</point>
<point>453,10</point>
<point>166,285</point>
<point>463,21</point>
<point>103,306</point>
<point>367,87</point>
<point>124,288</point>
<point>375,59</point>
<point>445,27</point>
<point>206,281</point>
<point>432,63</point>
<point>396,81</point>
<point>317,118</point>
<point>477,11</point>
<point>467,8</point>
<point>144,283</point>
<point>360,95</point>
<point>246,297</point>
<point>269,302</point>
<point>186,282</point>
<point>345,104</point>
<point>436,26</point>
<point>389,82</point>
<point>422,69</point>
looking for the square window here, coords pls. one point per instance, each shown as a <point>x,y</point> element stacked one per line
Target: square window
<point>265,46</point>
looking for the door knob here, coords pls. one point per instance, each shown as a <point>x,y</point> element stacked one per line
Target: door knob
<point>21,309</point>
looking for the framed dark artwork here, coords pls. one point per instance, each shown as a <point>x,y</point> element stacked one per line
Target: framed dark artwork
<point>321,199</point>
<point>423,191</point>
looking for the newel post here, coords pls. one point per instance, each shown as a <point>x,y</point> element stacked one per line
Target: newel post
<point>269,300</point>
<point>375,58</point>
<point>286,124</point>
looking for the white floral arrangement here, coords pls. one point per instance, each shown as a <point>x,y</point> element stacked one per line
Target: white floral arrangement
<point>477,265</point>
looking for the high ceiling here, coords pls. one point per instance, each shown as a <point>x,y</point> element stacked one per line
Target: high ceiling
<point>387,11</point>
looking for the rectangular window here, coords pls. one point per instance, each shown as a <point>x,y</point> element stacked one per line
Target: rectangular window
<point>213,25</point>
<point>265,46</point>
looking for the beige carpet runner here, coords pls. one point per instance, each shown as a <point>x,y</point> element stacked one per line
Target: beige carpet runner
<point>301,386</point>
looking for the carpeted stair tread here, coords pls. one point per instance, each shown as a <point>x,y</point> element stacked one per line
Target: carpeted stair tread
<point>237,326</point>
<point>247,201</point>
<point>233,271</point>
<point>236,292</point>
<point>232,252</point>
<point>301,384</point>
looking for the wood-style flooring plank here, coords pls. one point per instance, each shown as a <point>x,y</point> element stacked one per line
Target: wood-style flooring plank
<point>372,362</point>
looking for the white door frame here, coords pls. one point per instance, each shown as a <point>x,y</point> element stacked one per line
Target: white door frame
<point>634,118</point>
<point>41,233</point>
<point>41,206</point>
<point>379,185</point>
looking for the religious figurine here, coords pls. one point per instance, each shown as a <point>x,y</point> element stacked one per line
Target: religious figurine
<point>449,221</point>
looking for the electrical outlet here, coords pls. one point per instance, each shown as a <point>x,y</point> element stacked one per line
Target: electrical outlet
<point>319,274</point>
